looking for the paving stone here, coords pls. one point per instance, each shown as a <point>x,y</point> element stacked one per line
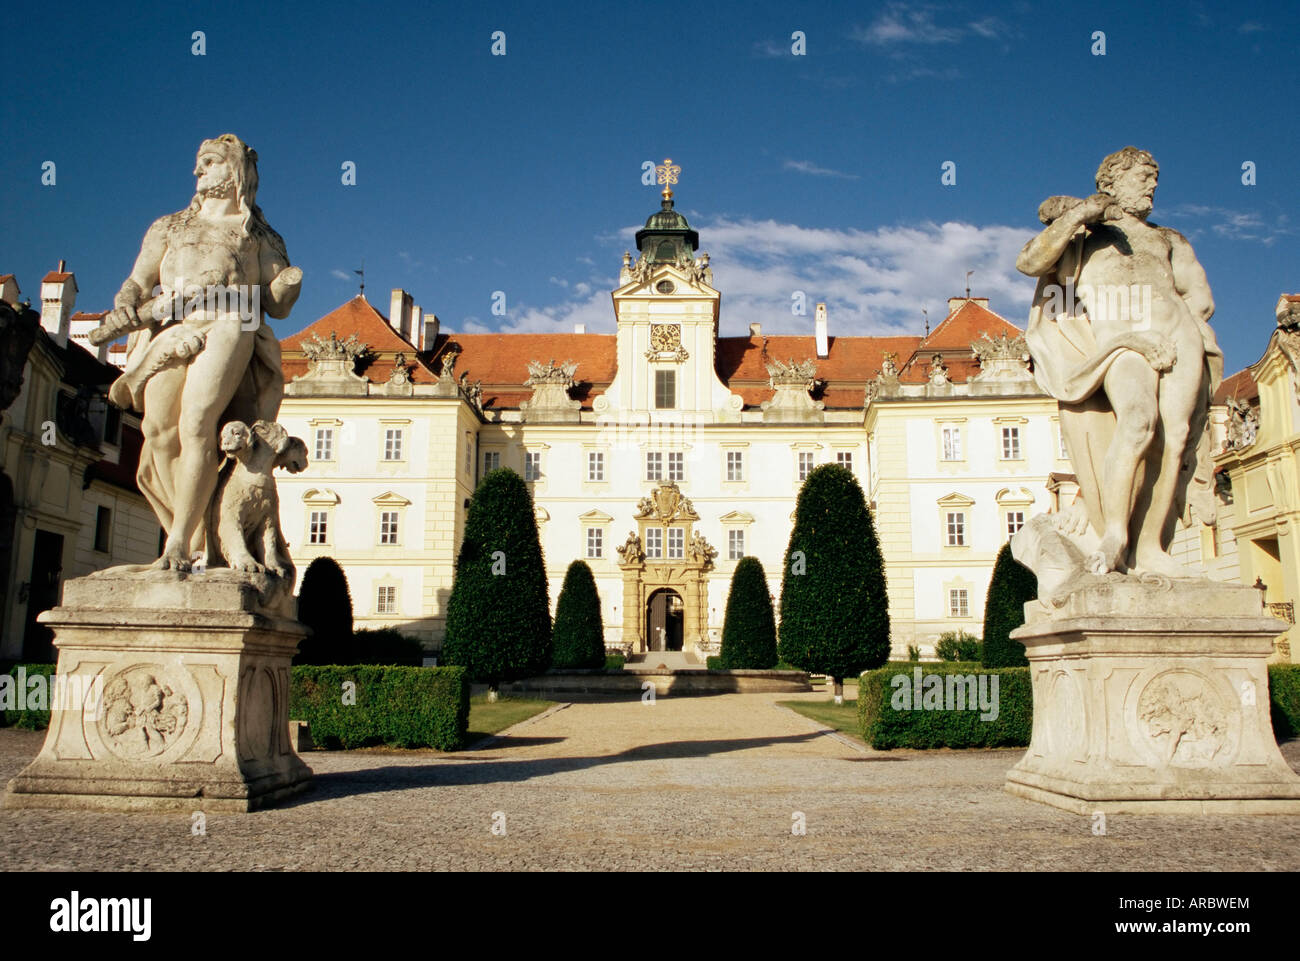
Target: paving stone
<point>688,783</point>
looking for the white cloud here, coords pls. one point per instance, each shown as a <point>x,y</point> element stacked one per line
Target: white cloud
<point>898,23</point>
<point>340,274</point>
<point>810,168</point>
<point>1194,219</point>
<point>873,281</point>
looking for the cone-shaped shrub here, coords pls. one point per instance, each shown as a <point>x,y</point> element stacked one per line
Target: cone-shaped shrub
<point>498,615</point>
<point>834,604</point>
<point>324,605</point>
<point>1010,587</point>
<point>579,633</point>
<point>749,631</point>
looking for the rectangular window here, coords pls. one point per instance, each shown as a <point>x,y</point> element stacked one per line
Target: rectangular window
<point>805,464</point>
<point>958,602</point>
<point>324,443</point>
<point>386,601</point>
<point>113,425</point>
<point>103,529</point>
<point>735,465</point>
<point>491,460</point>
<point>595,465</point>
<point>318,527</point>
<point>956,529</point>
<point>532,465</point>
<point>1011,443</point>
<point>595,543</point>
<point>735,545</point>
<point>665,389</point>
<point>952,443</point>
<point>1062,453</point>
<point>388,527</point>
<point>845,459</point>
<point>654,542</point>
<point>469,453</point>
<point>676,465</point>
<point>676,543</point>
<point>393,443</point>
<point>654,465</point>
<point>1015,521</point>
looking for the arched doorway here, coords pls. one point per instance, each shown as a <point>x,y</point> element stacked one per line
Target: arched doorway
<point>664,615</point>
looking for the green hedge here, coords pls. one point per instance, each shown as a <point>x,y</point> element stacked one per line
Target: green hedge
<point>614,662</point>
<point>32,720</point>
<point>402,706</point>
<point>1284,692</point>
<point>884,727</point>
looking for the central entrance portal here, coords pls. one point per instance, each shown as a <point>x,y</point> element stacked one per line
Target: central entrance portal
<point>663,617</point>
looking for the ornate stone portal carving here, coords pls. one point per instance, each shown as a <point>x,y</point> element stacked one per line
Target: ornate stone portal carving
<point>666,553</point>
<point>1243,424</point>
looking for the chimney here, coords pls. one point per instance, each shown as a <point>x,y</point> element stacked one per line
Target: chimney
<point>579,328</point>
<point>822,333</point>
<point>9,289</point>
<point>430,332</point>
<point>755,330</point>
<point>58,297</point>
<point>399,312</point>
<point>417,326</point>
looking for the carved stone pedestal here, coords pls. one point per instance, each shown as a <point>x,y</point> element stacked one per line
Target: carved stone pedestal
<point>186,696</point>
<point>1151,697</point>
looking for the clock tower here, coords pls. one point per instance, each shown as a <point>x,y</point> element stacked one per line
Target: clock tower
<point>667,313</point>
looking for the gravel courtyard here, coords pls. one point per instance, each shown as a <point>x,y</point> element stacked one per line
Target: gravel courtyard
<point>686,783</point>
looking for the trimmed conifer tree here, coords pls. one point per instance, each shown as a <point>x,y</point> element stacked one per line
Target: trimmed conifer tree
<point>1010,587</point>
<point>834,602</point>
<point>498,615</point>
<point>324,605</point>
<point>579,633</point>
<point>749,630</point>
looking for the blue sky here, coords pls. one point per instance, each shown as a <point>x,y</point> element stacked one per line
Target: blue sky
<point>522,173</point>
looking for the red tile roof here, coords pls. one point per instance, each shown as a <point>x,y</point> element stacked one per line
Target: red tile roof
<point>1240,385</point>
<point>357,316</point>
<point>4,277</point>
<point>500,361</point>
<point>55,277</point>
<point>851,362</point>
<point>953,338</point>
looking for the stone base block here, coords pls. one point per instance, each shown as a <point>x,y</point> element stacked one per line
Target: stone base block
<point>182,696</point>
<point>1151,697</point>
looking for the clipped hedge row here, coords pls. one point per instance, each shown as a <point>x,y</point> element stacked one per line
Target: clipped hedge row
<point>888,718</point>
<point>31,720</point>
<point>1284,693</point>
<point>403,706</point>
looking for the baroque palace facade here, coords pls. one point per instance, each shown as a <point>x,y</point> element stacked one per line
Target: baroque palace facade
<point>663,453</point>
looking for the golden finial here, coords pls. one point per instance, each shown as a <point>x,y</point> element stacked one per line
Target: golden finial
<point>667,172</point>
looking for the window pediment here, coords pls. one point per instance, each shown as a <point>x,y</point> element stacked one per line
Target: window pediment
<point>320,496</point>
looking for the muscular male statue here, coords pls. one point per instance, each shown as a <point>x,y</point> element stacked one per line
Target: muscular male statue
<point>1119,336</point>
<point>192,370</point>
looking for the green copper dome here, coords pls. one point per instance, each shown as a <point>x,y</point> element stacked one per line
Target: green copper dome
<point>667,237</point>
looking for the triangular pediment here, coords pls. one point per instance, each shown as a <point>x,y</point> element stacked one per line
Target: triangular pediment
<point>737,517</point>
<point>389,499</point>
<point>595,517</point>
<point>956,500</point>
<point>682,284</point>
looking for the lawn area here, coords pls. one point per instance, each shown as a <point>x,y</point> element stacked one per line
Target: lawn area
<point>843,717</point>
<point>485,718</point>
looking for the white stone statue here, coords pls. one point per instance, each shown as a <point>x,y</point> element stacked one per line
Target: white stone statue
<point>244,519</point>
<point>1119,335</point>
<point>200,355</point>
